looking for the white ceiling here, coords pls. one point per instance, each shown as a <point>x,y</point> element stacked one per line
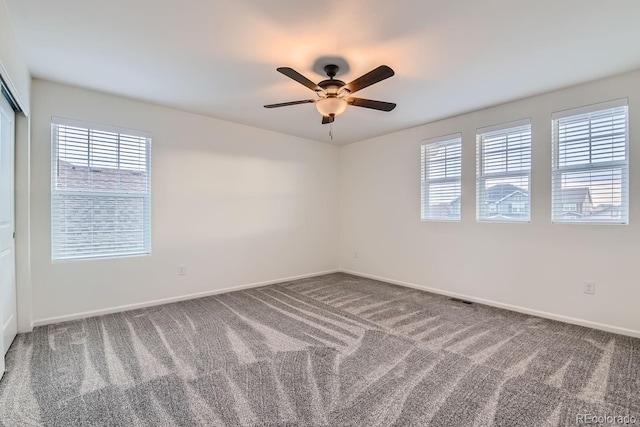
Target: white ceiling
<point>219,57</point>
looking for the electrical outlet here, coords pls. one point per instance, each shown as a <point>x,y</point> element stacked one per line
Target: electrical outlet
<point>182,270</point>
<point>590,288</point>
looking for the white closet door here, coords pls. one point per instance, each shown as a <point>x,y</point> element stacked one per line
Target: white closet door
<point>8,315</point>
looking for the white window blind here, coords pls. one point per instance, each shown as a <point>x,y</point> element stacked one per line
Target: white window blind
<point>503,160</point>
<point>591,164</point>
<point>441,172</point>
<point>100,191</point>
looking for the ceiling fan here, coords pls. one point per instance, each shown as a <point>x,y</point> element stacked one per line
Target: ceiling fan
<point>335,95</point>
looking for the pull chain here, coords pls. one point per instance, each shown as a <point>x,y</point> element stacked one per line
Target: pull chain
<point>331,131</point>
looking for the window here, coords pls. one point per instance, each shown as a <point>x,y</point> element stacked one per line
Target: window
<point>100,191</point>
<point>591,164</point>
<point>503,172</point>
<point>441,172</point>
<point>518,207</point>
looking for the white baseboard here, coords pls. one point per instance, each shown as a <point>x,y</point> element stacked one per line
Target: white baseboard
<point>546,315</point>
<point>127,307</point>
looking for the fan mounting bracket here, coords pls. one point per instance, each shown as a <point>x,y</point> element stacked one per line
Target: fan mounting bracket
<point>331,70</point>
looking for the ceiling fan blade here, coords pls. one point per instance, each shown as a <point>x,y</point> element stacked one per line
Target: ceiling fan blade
<point>285,104</point>
<point>293,74</point>
<point>370,103</point>
<point>328,119</point>
<point>372,77</point>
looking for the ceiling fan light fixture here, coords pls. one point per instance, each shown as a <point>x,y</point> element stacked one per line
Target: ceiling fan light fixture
<point>334,95</point>
<point>331,106</point>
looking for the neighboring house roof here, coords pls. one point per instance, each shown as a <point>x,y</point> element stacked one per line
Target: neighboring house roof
<point>524,193</point>
<point>575,195</point>
<point>606,209</point>
<point>497,193</point>
<point>442,209</point>
<point>83,177</point>
<point>507,217</point>
<point>606,206</point>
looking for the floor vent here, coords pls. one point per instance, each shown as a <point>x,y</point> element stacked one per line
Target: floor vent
<point>461,300</point>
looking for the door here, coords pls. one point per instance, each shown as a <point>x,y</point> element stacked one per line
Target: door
<point>8,315</point>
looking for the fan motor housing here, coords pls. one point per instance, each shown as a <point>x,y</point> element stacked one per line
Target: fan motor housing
<point>331,86</point>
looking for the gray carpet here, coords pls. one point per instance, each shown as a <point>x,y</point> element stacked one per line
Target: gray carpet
<point>334,350</point>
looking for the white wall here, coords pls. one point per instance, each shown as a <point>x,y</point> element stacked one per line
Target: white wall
<point>23,222</point>
<point>239,205</point>
<point>235,204</point>
<point>13,68</point>
<point>538,266</point>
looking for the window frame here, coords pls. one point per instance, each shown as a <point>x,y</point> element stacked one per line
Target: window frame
<point>146,196</point>
<point>557,171</point>
<point>481,177</point>
<point>425,182</point>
